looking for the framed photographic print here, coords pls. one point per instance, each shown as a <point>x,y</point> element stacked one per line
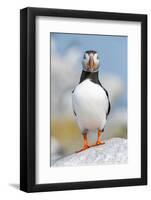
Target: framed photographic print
<point>83,99</point>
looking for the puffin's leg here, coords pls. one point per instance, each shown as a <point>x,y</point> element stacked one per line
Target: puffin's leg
<point>85,143</point>
<point>98,142</point>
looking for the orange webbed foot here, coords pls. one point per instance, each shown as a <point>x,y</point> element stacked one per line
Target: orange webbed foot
<point>83,148</point>
<point>98,143</point>
<point>85,143</point>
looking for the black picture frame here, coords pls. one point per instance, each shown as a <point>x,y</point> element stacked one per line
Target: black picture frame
<point>28,98</point>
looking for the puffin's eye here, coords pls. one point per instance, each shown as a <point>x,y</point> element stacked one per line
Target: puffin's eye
<point>84,57</point>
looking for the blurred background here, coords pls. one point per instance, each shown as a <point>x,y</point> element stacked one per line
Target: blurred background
<point>66,53</point>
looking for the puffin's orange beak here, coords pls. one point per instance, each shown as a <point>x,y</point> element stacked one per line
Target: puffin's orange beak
<point>91,63</point>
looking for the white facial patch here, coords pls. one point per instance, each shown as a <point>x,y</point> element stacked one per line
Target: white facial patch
<point>85,59</point>
<point>96,59</point>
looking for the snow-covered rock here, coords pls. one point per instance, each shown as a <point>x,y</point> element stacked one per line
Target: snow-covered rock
<point>114,151</point>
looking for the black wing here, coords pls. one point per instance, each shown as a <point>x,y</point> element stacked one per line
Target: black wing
<point>109,104</point>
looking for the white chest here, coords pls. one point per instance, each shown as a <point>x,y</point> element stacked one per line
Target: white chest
<point>90,104</point>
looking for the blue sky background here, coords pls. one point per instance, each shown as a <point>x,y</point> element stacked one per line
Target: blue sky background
<point>112,51</point>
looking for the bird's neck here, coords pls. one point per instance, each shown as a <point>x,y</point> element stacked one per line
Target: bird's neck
<point>93,76</point>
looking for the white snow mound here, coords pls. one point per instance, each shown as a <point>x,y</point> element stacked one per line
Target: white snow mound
<point>114,151</point>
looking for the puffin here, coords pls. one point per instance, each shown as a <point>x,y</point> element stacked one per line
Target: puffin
<point>90,100</point>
